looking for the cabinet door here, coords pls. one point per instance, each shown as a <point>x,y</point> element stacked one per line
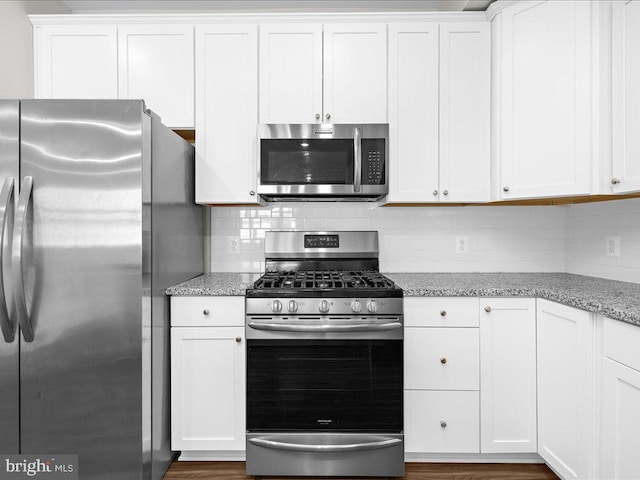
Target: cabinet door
<point>226,113</point>
<point>565,389</point>
<point>355,73</point>
<point>545,107</point>
<point>413,113</point>
<point>626,95</point>
<point>76,61</point>
<point>508,375</point>
<point>207,388</point>
<point>465,66</point>
<point>290,73</point>
<point>441,422</point>
<point>155,63</point>
<point>620,422</point>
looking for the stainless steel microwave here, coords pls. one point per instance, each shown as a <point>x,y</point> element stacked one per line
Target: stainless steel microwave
<point>316,162</point>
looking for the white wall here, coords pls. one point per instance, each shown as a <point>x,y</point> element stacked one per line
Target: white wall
<point>412,239</point>
<point>16,45</point>
<point>586,229</point>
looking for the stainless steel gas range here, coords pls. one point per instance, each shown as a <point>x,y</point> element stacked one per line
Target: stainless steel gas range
<point>324,336</point>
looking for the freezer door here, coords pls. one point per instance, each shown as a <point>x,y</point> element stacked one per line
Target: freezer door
<point>80,262</point>
<point>9,358</point>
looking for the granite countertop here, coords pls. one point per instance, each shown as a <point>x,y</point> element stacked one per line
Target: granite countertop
<point>617,300</point>
<point>215,284</point>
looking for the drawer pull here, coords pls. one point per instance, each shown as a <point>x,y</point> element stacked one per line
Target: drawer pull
<point>443,313</point>
<point>443,424</point>
<point>205,312</point>
<point>443,360</point>
<point>238,339</point>
<point>487,309</point>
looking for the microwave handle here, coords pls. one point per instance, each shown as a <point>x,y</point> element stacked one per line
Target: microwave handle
<point>357,159</point>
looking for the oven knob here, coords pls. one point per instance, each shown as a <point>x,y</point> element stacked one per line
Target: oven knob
<point>293,306</point>
<point>372,306</point>
<point>324,306</point>
<point>356,306</point>
<point>276,306</point>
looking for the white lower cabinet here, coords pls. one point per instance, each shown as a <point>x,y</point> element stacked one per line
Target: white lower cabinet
<point>208,377</point>
<point>439,421</point>
<point>566,420</point>
<point>508,375</point>
<point>620,420</point>
<point>442,405</point>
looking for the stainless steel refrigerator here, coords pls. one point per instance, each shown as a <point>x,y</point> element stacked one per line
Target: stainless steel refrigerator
<point>97,218</point>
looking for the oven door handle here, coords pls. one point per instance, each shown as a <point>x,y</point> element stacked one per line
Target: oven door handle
<point>302,447</point>
<point>361,327</point>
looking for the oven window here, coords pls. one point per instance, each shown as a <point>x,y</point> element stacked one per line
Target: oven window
<point>306,162</point>
<point>324,385</point>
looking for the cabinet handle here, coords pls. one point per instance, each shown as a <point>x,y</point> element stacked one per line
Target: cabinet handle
<point>328,116</point>
<point>443,360</point>
<point>205,312</point>
<point>252,193</point>
<point>505,188</point>
<point>615,181</point>
<point>443,313</point>
<point>317,116</point>
<point>487,309</point>
<point>238,339</point>
<point>443,424</point>
<point>446,192</point>
<point>435,192</point>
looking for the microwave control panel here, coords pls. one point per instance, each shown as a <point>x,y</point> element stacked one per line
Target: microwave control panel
<point>373,161</point>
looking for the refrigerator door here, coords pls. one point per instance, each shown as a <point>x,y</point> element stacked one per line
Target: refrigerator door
<point>9,357</point>
<point>79,253</point>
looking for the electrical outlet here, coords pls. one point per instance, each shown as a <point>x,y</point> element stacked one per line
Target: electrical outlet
<point>613,246</point>
<point>233,246</point>
<point>462,244</point>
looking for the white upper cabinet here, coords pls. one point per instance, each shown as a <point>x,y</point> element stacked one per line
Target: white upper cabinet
<point>355,73</point>
<point>543,86</point>
<point>336,73</point>
<point>155,63</point>
<point>626,95</point>
<point>76,61</point>
<point>465,112</point>
<point>413,112</point>
<point>439,112</point>
<point>227,113</point>
<point>290,73</point>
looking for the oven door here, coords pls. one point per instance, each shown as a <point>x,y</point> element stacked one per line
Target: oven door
<point>324,386</point>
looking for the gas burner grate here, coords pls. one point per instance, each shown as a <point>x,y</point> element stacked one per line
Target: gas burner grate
<point>323,279</point>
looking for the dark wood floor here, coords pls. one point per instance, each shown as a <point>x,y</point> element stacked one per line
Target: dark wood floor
<point>413,471</point>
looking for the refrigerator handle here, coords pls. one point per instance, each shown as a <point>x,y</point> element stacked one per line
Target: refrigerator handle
<point>6,209</point>
<point>16,258</point>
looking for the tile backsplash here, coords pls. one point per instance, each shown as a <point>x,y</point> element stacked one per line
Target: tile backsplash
<point>416,239</point>
<point>412,239</point>
<point>586,229</point>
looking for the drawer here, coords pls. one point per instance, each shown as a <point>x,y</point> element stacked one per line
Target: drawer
<point>441,422</point>
<point>207,311</point>
<point>622,342</point>
<point>442,358</point>
<point>442,311</point>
